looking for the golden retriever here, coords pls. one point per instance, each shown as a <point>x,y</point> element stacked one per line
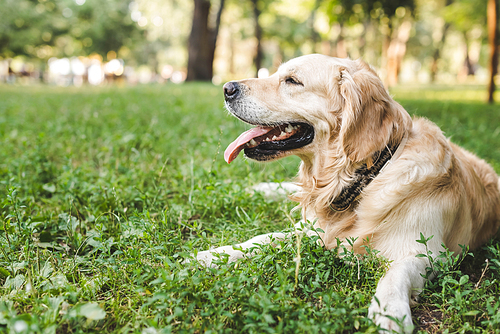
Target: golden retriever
<point>368,171</point>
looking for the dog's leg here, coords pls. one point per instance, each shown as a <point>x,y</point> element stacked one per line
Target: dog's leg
<point>240,251</point>
<point>276,191</point>
<point>395,291</point>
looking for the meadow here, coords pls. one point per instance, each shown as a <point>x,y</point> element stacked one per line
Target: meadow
<point>105,191</point>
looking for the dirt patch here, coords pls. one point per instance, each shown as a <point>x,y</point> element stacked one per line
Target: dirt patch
<point>428,318</point>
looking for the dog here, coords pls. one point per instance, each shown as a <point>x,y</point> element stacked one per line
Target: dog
<point>369,171</point>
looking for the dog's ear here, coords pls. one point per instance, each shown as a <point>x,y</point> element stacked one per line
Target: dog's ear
<point>367,120</point>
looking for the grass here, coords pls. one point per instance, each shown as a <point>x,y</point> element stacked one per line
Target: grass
<point>104,191</point>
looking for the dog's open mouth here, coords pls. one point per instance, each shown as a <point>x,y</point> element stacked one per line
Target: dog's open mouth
<point>264,142</point>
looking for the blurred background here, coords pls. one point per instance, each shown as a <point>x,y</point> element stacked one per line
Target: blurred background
<point>103,42</point>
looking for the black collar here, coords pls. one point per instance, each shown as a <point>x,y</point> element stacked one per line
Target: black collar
<point>362,177</point>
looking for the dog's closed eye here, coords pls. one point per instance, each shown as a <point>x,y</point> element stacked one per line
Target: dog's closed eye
<point>293,81</point>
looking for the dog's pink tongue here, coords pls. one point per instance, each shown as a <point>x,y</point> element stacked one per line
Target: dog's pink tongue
<point>236,146</point>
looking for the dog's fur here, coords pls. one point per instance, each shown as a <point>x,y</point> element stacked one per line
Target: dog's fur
<point>434,187</point>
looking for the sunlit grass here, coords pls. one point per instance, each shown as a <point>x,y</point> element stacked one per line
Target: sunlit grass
<point>461,112</point>
<point>104,191</point>
<point>463,93</point>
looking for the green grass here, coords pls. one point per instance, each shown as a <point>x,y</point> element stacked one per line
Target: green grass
<point>104,191</point>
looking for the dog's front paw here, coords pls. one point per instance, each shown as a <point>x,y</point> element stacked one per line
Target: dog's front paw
<point>391,316</point>
<point>208,258</point>
<point>205,258</point>
<point>275,191</point>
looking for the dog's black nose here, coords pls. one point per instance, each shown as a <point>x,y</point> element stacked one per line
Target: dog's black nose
<point>231,90</point>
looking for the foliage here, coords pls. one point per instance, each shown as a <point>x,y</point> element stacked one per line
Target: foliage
<point>465,15</point>
<point>470,295</point>
<point>42,29</point>
<point>354,11</point>
<point>105,191</point>
<point>155,32</point>
<point>164,43</point>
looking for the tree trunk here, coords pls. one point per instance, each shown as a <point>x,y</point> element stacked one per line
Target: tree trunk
<point>202,41</point>
<point>437,53</point>
<point>492,15</point>
<point>396,52</point>
<point>362,38</point>
<point>386,42</point>
<point>232,70</point>
<point>315,37</point>
<point>469,67</point>
<point>257,60</point>
<point>439,47</point>
<point>341,50</point>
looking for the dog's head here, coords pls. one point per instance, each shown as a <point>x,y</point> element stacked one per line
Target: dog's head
<point>310,104</point>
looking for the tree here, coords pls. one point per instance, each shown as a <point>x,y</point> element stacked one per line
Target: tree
<point>28,30</point>
<point>63,28</point>
<point>314,35</point>
<point>394,18</point>
<point>439,46</point>
<point>492,14</point>
<point>202,41</point>
<point>343,13</point>
<point>258,36</point>
<point>467,17</point>
<point>103,26</point>
<point>396,51</point>
<point>289,29</point>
